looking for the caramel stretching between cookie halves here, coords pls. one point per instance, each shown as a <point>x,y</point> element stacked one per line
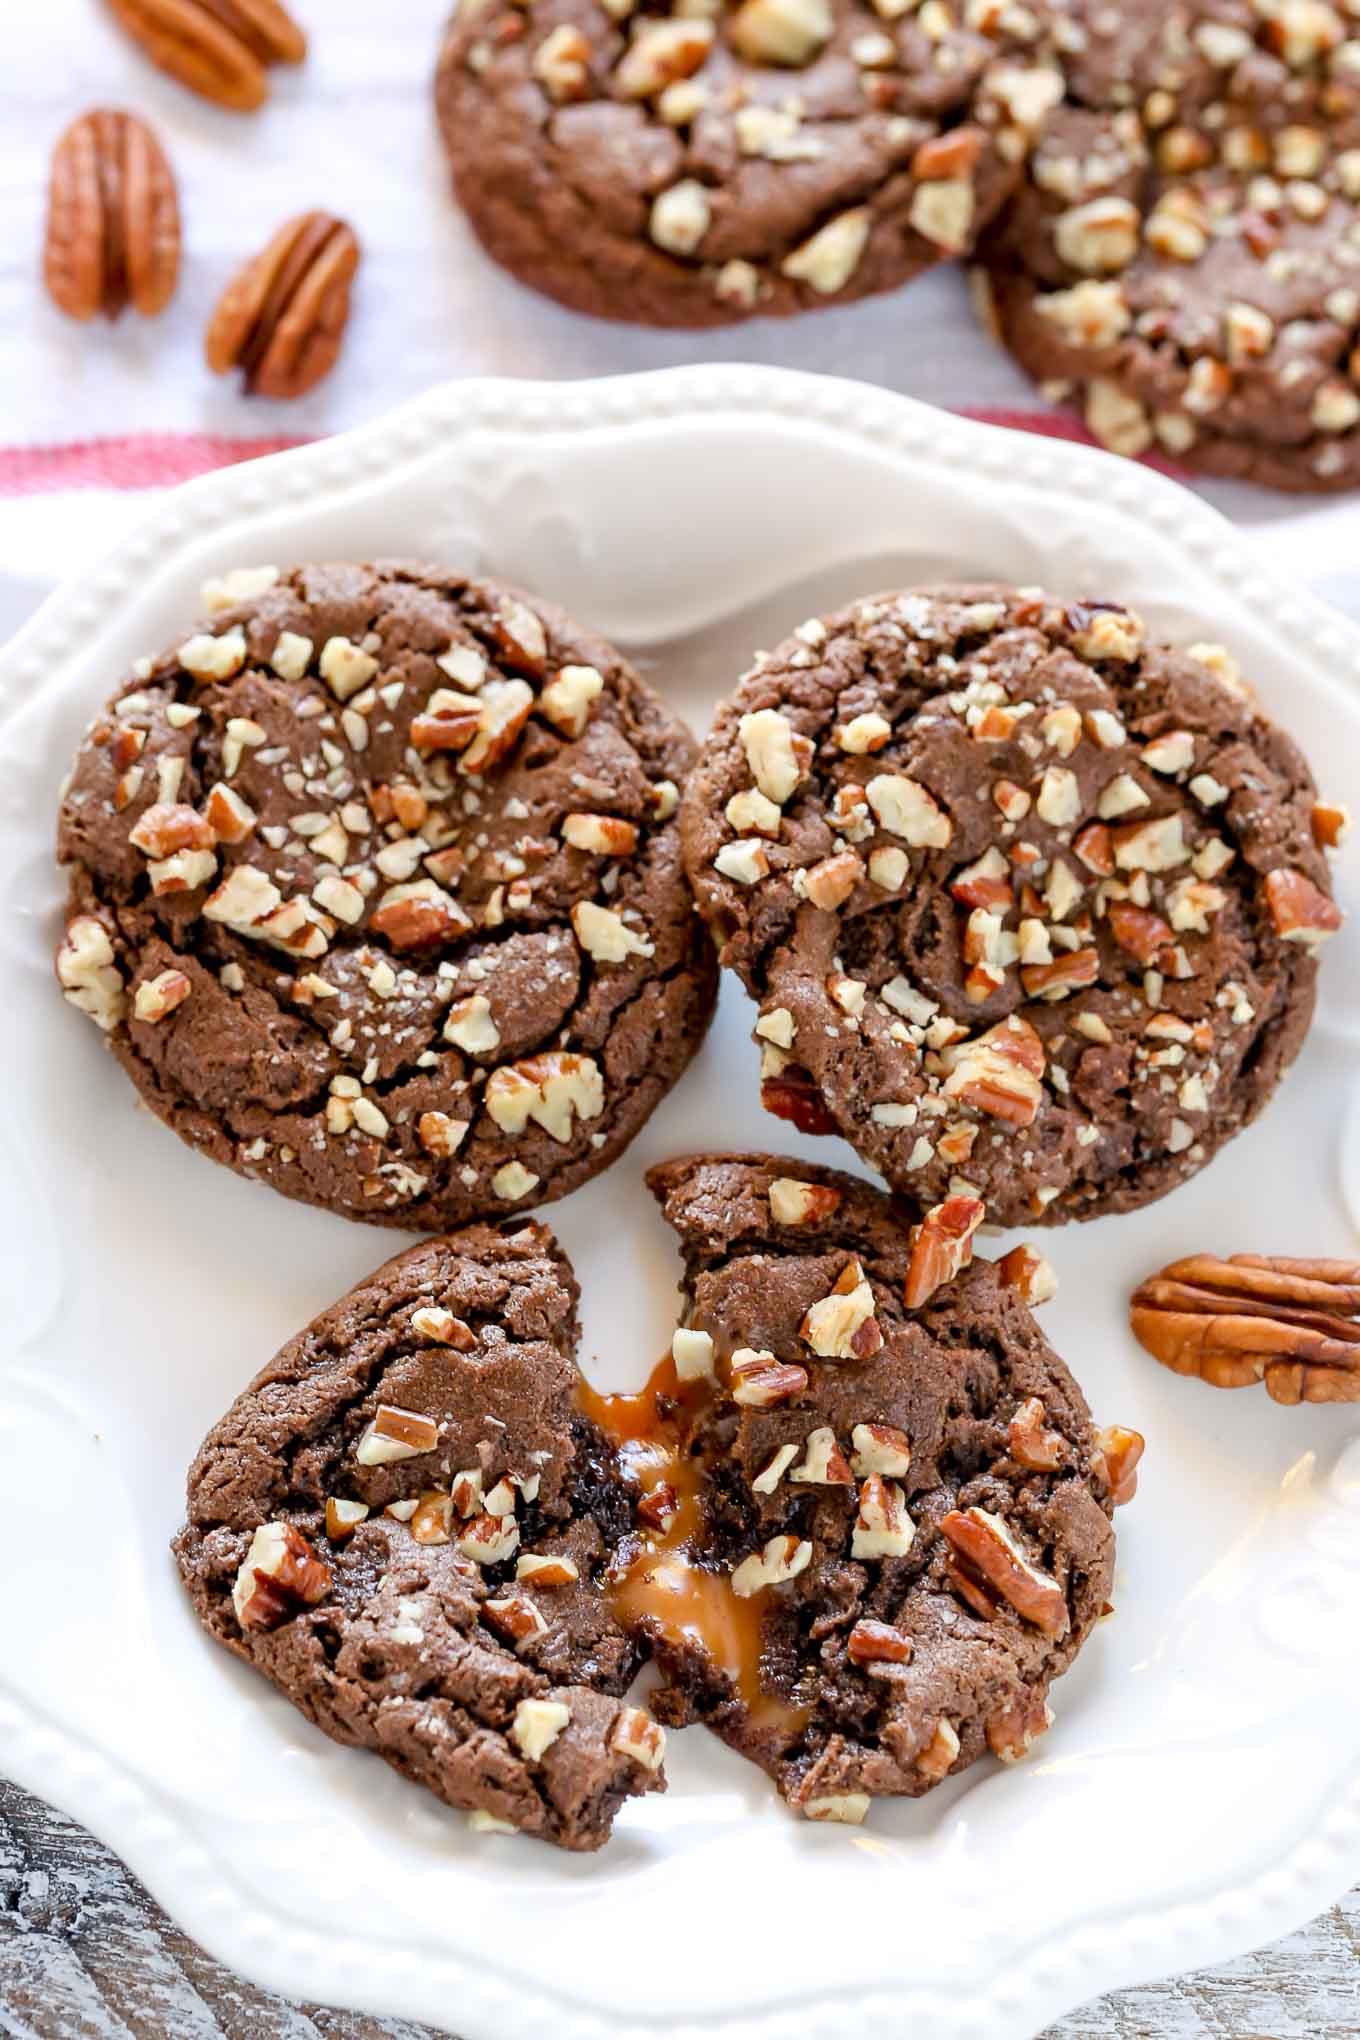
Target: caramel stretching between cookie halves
<point>665,1589</point>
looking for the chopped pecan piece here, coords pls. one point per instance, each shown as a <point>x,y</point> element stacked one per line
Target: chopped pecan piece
<point>1300,910</point>
<point>636,1735</point>
<point>280,1574</point>
<point>1252,1317</point>
<point>1331,824</point>
<point>1000,1073</point>
<point>793,1095</point>
<point>659,1506</point>
<point>1118,1451</point>
<point>842,1326</point>
<point>520,638</point>
<point>796,1203</point>
<point>1013,1731</point>
<point>823,1463</point>
<point>760,1381</point>
<point>874,1643</point>
<point>516,1618</point>
<point>420,915</point>
<point>1063,976</point>
<point>829,884</point>
<point>505,711</point>
<point>942,1245</point>
<point>449,723</point>
<point>940,1753</point>
<point>1139,932</point>
<point>1026,1271</point>
<point>984,1547</point>
<point>1031,1443</point>
<point>883,1527</point>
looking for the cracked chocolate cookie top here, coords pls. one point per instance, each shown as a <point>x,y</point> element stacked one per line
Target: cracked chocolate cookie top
<point>907,1506</point>
<point>1030,903</point>
<point>695,166</point>
<point>1184,254</point>
<point>404,1522</point>
<point>376,891</point>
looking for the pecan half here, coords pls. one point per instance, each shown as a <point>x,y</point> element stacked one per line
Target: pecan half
<point>281,320</point>
<point>112,235</point>
<point>218,48</point>
<point>1291,1323</point>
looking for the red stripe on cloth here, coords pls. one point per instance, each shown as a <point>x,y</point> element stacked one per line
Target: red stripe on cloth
<point>141,461</point>
<point>155,460</point>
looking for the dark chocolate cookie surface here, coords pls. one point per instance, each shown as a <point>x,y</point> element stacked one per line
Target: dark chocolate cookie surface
<point>376,890</point>
<point>403,1523</point>
<point>1030,903</point>
<point>694,167</point>
<point>1183,258</point>
<point>889,1526</point>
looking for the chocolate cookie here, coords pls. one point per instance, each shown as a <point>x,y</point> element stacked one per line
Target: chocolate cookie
<point>881,1512</point>
<point>376,891</point>
<point>1184,256</point>
<point>691,168</point>
<point>1030,904</point>
<point>403,1523</point>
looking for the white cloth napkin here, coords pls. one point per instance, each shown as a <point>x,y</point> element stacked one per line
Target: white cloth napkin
<point>353,131</point>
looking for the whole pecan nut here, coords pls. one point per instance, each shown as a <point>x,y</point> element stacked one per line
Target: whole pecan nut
<point>281,320</point>
<point>1291,1323</point>
<point>113,234</point>
<point>218,48</point>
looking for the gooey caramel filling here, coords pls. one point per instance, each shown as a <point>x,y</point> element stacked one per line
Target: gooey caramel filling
<point>665,1585</point>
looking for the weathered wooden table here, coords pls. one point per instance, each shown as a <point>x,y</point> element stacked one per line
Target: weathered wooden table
<point>85,1954</point>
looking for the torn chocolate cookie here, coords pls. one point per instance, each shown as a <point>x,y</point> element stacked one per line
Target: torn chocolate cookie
<point>405,1523</point>
<point>873,1534</point>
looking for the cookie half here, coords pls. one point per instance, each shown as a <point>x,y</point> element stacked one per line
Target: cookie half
<point>879,1530</point>
<point>404,1522</point>
<point>695,167</point>
<point>376,890</point>
<point>1029,902</point>
<point>1182,258</point>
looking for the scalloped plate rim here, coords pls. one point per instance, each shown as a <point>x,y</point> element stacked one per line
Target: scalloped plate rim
<point>166,1850</point>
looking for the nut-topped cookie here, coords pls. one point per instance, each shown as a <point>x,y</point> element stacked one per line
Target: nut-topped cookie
<point>404,1523</point>
<point>1030,903</point>
<point>1184,256</point>
<point>876,1519</point>
<point>695,166</point>
<point>376,891</point>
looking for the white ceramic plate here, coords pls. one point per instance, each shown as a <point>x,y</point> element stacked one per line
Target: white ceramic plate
<point>1201,1790</point>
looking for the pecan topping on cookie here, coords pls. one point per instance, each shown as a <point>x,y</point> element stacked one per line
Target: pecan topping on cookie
<point>1035,904</point>
<point>763,156</point>
<point>382,871</point>
<point>1176,258</point>
<point>1294,1324</point>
